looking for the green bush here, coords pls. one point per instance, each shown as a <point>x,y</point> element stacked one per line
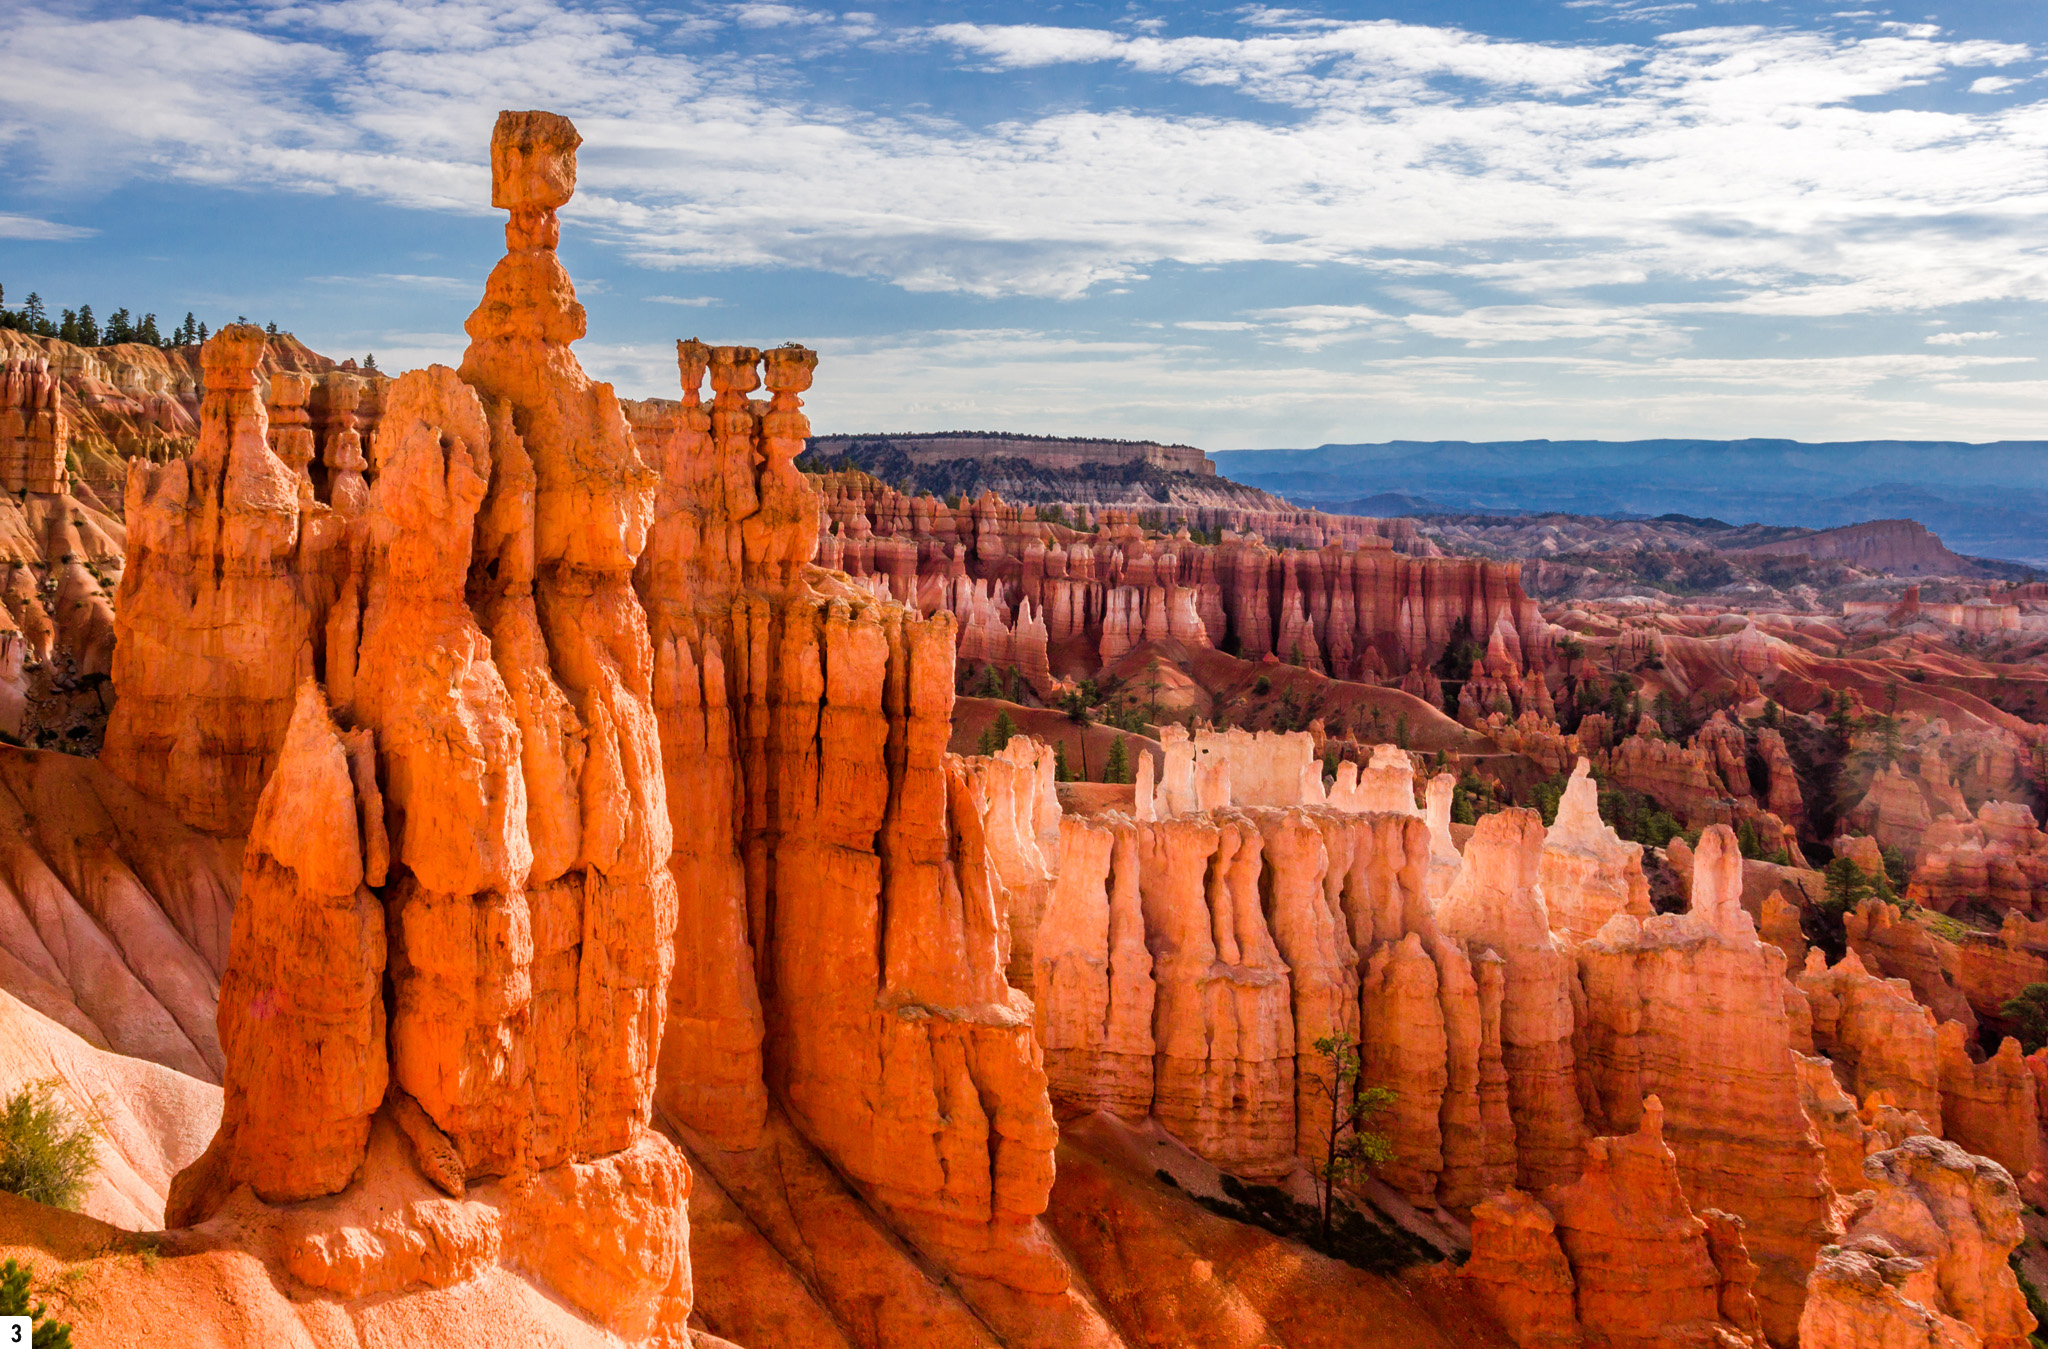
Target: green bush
<point>47,1152</point>
<point>14,1280</point>
<point>2029,1015</point>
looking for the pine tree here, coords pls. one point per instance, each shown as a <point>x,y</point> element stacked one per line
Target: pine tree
<point>118,329</point>
<point>1060,771</point>
<point>202,332</point>
<point>272,329</point>
<point>370,362</point>
<point>1118,768</point>
<point>1350,1150</point>
<point>146,331</point>
<point>188,333</point>
<point>88,327</point>
<point>47,1334</point>
<point>38,322</point>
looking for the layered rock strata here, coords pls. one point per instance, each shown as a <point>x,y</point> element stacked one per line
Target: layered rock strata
<point>1352,608</point>
<point>1617,1258</point>
<point>1693,1009</point>
<point>32,427</point>
<point>845,922</point>
<point>219,612</point>
<point>456,913</point>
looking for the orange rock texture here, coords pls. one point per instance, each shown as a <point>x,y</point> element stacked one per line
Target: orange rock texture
<point>32,429</point>
<point>1925,1262</point>
<point>1589,874</point>
<point>845,923</point>
<point>219,608</point>
<point>453,942</point>
<point>1692,1008</point>
<point>1616,1258</point>
<point>1024,590</point>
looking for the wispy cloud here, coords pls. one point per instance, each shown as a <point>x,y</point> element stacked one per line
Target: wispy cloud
<point>687,301</point>
<point>1959,339</point>
<point>28,227</point>
<point>454,285</point>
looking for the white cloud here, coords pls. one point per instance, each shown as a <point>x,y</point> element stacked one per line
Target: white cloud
<point>760,15</point>
<point>687,301</point>
<point>1355,64</point>
<point>28,227</point>
<point>1049,383</point>
<point>1958,339</point>
<point>1493,325</point>
<point>1729,157</point>
<point>454,285</point>
<point>1992,84</point>
<point>1600,200</point>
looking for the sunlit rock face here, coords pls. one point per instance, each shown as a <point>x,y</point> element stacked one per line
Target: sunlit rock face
<point>457,915</point>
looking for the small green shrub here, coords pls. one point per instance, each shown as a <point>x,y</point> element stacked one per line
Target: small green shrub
<point>2032,1295</point>
<point>2029,1014</point>
<point>47,1153</point>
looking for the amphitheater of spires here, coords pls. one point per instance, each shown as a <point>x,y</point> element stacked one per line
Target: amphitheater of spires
<point>525,897</point>
<point>1027,590</point>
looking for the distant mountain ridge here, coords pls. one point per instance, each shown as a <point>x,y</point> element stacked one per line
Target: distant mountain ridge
<point>1982,499</point>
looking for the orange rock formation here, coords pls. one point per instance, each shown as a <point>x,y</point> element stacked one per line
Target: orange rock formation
<point>1925,1263</point>
<point>496,807</point>
<point>1732,1101</point>
<point>1618,1258</point>
<point>1034,594</point>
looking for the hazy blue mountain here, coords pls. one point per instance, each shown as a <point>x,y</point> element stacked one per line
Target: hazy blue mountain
<point>1987,500</point>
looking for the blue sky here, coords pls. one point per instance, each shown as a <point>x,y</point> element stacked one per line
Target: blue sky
<point>1239,226</point>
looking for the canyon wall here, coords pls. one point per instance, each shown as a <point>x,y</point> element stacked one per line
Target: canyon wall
<point>1351,607</point>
